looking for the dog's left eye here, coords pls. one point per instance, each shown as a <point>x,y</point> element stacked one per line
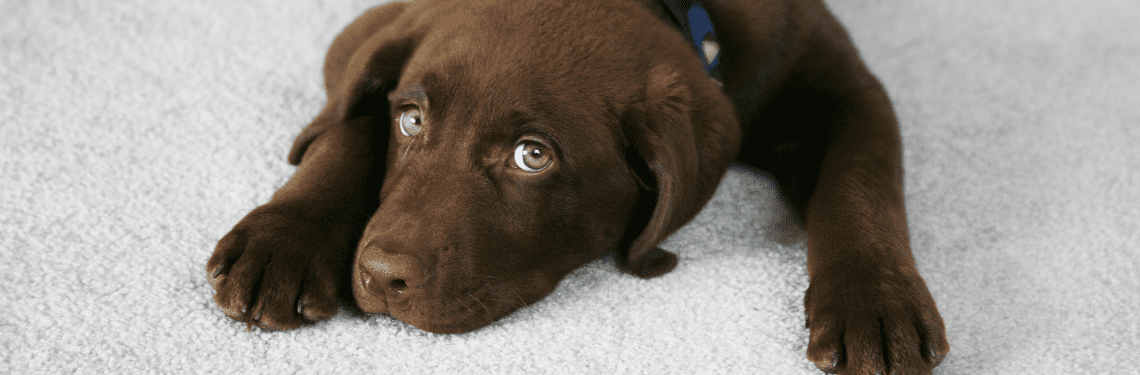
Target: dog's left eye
<point>531,156</point>
<point>411,122</point>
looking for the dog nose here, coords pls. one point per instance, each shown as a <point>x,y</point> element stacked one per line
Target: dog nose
<point>384,273</point>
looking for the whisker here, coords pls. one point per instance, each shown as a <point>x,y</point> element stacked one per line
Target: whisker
<point>465,305</point>
<point>481,303</point>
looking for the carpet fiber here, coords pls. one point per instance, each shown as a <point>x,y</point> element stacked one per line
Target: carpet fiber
<point>135,133</point>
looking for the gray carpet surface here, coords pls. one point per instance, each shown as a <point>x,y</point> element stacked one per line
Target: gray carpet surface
<point>134,134</point>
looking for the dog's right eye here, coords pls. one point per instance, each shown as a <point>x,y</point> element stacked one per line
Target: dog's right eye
<point>531,157</point>
<point>411,122</point>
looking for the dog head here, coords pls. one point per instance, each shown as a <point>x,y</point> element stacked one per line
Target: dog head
<point>521,144</point>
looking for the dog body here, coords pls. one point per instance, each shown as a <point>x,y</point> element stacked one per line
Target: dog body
<point>473,153</point>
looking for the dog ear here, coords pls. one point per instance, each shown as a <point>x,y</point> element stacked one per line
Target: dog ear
<point>362,65</point>
<point>681,139</point>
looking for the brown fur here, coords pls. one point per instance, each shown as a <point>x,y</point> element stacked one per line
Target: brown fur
<point>443,231</point>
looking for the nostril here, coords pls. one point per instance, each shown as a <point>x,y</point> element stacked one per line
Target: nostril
<point>398,285</point>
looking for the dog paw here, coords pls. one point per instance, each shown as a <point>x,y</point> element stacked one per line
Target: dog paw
<point>881,325</point>
<point>281,267</point>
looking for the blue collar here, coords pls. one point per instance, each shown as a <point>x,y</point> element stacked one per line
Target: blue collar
<point>691,18</point>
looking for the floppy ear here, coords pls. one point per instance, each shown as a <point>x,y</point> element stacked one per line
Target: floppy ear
<point>681,140</point>
<point>362,65</point>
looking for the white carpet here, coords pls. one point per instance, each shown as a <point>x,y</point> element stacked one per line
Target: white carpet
<point>135,133</point>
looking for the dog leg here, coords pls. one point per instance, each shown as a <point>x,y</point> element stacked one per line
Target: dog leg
<point>286,263</point>
<point>868,309</point>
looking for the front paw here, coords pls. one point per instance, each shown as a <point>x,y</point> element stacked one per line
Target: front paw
<point>282,266</point>
<point>886,324</point>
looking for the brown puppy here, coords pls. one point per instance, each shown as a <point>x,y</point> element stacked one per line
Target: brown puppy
<point>472,153</point>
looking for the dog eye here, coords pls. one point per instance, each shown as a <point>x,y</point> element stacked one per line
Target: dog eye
<point>411,122</point>
<point>531,157</point>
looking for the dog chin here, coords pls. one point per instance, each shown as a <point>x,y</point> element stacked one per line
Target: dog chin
<point>435,326</point>
<point>430,314</point>
<point>436,318</point>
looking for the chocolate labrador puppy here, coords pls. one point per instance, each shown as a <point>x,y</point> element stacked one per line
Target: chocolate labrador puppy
<point>472,153</point>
